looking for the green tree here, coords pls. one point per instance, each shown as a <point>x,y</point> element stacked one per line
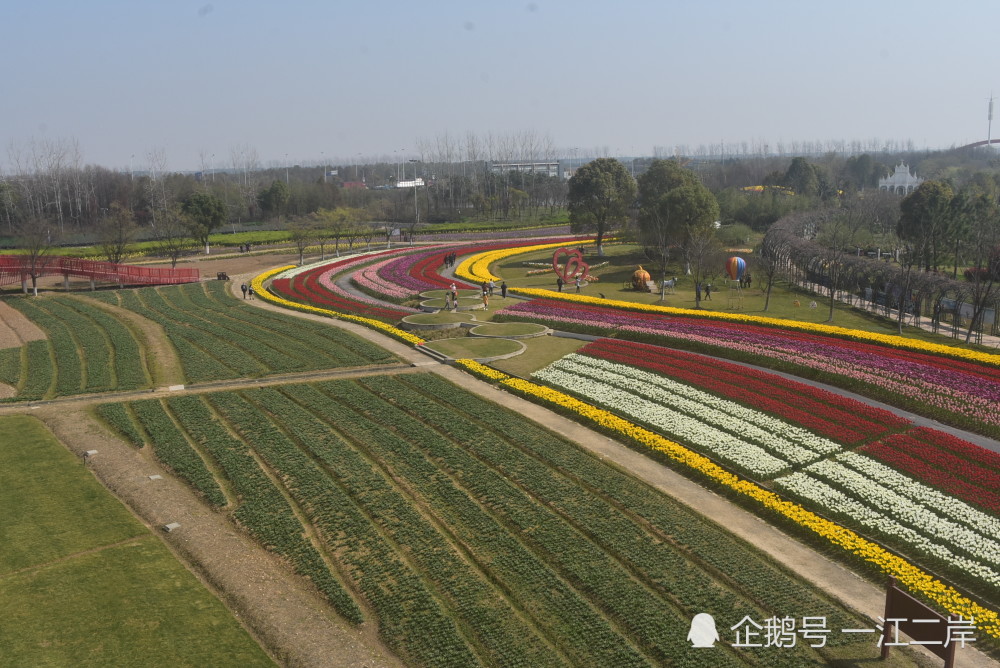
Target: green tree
<point>172,234</point>
<point>600,194</point>
<point>802,178</point>
<point>205,213</point>
<point>924,218</point>
<point>674,208</point>
<point>275,198</point>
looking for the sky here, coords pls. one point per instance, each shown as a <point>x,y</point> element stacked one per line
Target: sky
<point>307,82</point>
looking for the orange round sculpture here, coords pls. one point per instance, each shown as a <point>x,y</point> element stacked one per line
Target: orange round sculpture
<point>640,279</point>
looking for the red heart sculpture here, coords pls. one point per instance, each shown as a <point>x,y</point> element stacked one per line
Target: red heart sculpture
<point>573,267</point>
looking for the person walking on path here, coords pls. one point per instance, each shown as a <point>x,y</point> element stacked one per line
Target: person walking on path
<point>708,292</point>
<point>493,285</point>
<point>559,282</point>
<point>577,283</point>
<point>486,298</point>
<point>244,289</point>
<point>503,289</point>
<point>250,291</point>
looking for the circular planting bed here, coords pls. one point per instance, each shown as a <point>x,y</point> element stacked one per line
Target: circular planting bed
<point>464,303</point>
<point>442,320</point>
<point>478,348</point>
<point>509,330</point>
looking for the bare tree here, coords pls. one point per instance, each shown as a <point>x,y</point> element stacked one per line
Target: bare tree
<point>35,237</point>
<point>173,234</point>
<point>116,232</point>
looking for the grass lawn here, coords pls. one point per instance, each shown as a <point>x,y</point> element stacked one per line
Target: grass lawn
<point>540,351</point>
<point>83,583</point>
<point>52,506</point>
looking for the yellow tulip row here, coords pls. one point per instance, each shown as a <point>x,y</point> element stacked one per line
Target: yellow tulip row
<point>395,332</point>
<point>908,574</point>
<point>476,269</point>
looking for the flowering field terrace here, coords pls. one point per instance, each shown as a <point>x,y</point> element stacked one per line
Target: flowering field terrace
<point>403,277</point>
<point>955,391</point>
<point>933,497</point>
<point>316,286</point>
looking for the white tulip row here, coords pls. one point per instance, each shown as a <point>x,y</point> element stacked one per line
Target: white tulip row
<point>791,442</point>
<point>807,486</point>
<point>903,510</point>
<point>678,425</point>
<point>954,508</point>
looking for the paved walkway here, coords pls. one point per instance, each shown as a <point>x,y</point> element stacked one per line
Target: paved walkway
<point>831,577</point>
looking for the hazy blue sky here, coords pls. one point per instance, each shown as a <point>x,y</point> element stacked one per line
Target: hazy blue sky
<point>319,79</point>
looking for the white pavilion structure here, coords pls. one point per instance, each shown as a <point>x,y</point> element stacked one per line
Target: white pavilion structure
<point>900,182</point>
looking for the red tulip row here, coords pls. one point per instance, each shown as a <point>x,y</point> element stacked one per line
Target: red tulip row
<point>826,413</point>
<point>306,288</point>
<point>959,447</point>
<point>937,468</point>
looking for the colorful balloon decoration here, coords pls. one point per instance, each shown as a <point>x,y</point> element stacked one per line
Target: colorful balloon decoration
<point>735,266</point>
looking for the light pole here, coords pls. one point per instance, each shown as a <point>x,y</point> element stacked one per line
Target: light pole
<point>286,169</point>
<point>322,157</point>
<point>213,168</point>
<point>416,209</point>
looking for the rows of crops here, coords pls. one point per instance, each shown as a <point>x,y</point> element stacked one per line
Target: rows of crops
<point>86,350</point>
<point>218,337</point>
<point>469,534</point>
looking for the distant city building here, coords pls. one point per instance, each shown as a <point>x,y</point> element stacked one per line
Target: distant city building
<point>901,182</point>
<point>545,168</point>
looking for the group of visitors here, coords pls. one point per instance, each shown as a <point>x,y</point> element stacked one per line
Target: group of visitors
<point>449,259</point>
<point>247,290</point>
<point>244,248</point>
<point>745,280</point>
<point>698,290</point>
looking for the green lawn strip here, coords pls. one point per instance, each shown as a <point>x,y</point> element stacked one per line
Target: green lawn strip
<point>412,621</point>
<point>346,348</point>
<point>51,507</point>
<point>262,510</point>
<point>10,366</point>
<point>126,605</point>
<point>202,357</point>
<point>129,370</point>
<point>623,586</point>
<point>118,418</point>
<point>92,343</point>
<point>500,635</point>
<point>474,347</point>
<point>65,354</point>
<point>560,612</point>
<point>734,562</point>
<point>173,449</point>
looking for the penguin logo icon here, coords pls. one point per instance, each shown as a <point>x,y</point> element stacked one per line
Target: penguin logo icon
<point>703,633</point>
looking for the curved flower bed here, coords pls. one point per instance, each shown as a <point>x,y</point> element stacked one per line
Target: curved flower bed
<point>960,468</point>
<point>476,268</point>
<point>911,576</point>
<point>258,286</point>
<point>962,392</point>
<point>832,415</point>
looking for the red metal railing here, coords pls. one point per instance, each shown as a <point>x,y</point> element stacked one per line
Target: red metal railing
<point>17,268</point>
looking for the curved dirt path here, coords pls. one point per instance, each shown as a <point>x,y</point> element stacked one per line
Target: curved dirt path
<point>15,328</point>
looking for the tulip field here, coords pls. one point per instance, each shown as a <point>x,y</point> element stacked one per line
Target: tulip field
<point>471,536</point>
<point>927,494</point>
<point>955,391</point>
